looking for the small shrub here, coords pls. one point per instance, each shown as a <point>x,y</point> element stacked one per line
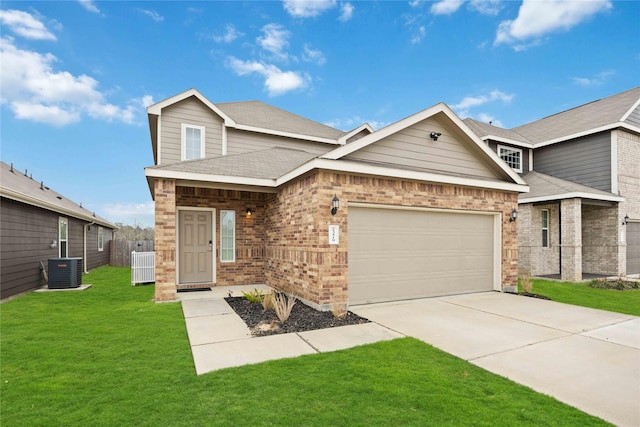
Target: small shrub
<point>283,305</point>
<point>526,283</point>
<point>254,296</point>
<point>267,302</point>
<point>339,310</point>
<point>619,284</point>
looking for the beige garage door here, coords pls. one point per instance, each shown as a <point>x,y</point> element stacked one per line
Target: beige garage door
<point>633,248</point>
<point>402,254</point>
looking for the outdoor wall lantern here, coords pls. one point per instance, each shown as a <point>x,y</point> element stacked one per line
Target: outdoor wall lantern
<point>514,215</point>
<point>626,220</point>
<point>435,135</point>
<point>250,212</point>
<point>54,244</point>
<point>335,204</point>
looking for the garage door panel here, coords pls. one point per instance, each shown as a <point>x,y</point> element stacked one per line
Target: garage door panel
<point>402,254</point>
<point>633,248</point>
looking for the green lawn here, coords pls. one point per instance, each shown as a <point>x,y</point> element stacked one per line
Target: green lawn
<point>109,356</point>
<point>627,302</point>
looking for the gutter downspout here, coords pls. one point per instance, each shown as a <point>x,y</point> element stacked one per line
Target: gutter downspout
<point>84,260</point>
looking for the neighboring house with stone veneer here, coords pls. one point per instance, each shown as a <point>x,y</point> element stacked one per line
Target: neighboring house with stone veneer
<point>243,195</point>
<point>582,215</point>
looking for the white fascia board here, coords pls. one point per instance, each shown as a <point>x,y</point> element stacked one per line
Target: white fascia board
<point>630,110</point>
<point>366,126</point>
<point>508,141</point>
<point>285,134</point>
<point>360,168</point>
<point>157,107</point>
<point>604,128</point>
<point>573,195</point>
<point>191,176</point>
<point>23,198</point>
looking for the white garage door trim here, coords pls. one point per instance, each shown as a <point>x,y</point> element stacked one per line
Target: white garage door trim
<point>497,230</point>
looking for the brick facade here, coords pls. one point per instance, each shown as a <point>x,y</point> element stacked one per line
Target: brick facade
<point>285,242</point>
<point>628,145</point>
<point>533,259</point>
<point>571,238</point>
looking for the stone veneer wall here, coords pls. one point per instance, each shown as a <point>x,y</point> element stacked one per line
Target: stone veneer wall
<point>300,259</point>
<point>628,186</point>
<point>599,239</point>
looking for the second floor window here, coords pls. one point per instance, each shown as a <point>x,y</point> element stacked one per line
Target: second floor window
<point>192,142</point>
<point>512,156</point>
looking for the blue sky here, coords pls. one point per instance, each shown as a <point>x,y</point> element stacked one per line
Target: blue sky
<point>77,76</point>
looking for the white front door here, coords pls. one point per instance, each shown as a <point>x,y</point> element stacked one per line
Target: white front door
<point>196,247</point>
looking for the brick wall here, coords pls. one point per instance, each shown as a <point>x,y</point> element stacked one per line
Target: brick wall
<point>571,237</point>
<point>248,267</point>
<point>165,239</point>
<point>300,259</point>
<point>599,239</point>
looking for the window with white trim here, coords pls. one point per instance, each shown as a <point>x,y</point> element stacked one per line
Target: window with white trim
<point>100,241</point>
<point>512,156</point>
<point>227,236</point>
<point>192,142</point>
<point>63,237</point>
<point>545,228</point>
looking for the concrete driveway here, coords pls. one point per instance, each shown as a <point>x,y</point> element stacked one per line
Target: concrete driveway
<point>587,358</point>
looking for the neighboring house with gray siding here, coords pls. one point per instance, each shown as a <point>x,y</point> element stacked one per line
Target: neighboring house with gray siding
<point>582,214</point>
<point>37,223</point>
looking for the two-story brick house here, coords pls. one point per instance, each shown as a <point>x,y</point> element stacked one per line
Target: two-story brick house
<point>247,193</point>
<point>582,214</point>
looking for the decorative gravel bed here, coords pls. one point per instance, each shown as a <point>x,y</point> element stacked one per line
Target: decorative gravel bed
<point>302,318</point>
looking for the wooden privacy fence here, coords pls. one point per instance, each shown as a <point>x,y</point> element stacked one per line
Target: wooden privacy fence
<point>143,267</point>
<point>120,255</point>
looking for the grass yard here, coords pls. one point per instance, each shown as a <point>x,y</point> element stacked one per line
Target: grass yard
<point>627,302</point>
<point>109,356</point>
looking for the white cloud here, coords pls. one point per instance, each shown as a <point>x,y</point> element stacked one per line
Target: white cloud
<point>307,8</point>
<point>446,7</point>
<point>275,40</point>
<point>153,15</point>
<point>230,35</point>
<point>89,5</point>
<point>315,56</point>
<point>420,33</point>
<point>35,91</point>
<point>25,25</point>
<point>415,3</point>
<point>537,18</point>
<point>599,79</point>
<point>486,7</point>
<point>277,82</point>
<point>487,118</point>
<point>346,12</point>
<point>462,108</point>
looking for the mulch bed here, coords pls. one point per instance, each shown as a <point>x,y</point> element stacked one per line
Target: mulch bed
<point>302,318</point>
<point>527,294</point>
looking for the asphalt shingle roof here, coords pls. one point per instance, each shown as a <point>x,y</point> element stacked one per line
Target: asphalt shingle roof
<point>271,163</point>
<point>15,184</point>
<point>261,115</point>
<point>549,188</point>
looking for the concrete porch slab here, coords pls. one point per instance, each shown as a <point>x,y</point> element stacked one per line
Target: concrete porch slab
<point>205,307</point>
<point>78,289</point>
<point>343,337</point>
<point>216,328</point>
<point>211,357</point>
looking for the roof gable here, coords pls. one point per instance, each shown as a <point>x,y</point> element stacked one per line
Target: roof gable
<point>407,145</point>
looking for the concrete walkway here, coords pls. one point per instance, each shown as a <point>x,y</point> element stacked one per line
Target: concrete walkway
<point>220,339</point>
<point>587,358</point>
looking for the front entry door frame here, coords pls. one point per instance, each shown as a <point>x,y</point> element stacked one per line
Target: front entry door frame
<point>212,238</point>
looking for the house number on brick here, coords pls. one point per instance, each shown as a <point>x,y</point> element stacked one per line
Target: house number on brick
<point>334,234</point>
